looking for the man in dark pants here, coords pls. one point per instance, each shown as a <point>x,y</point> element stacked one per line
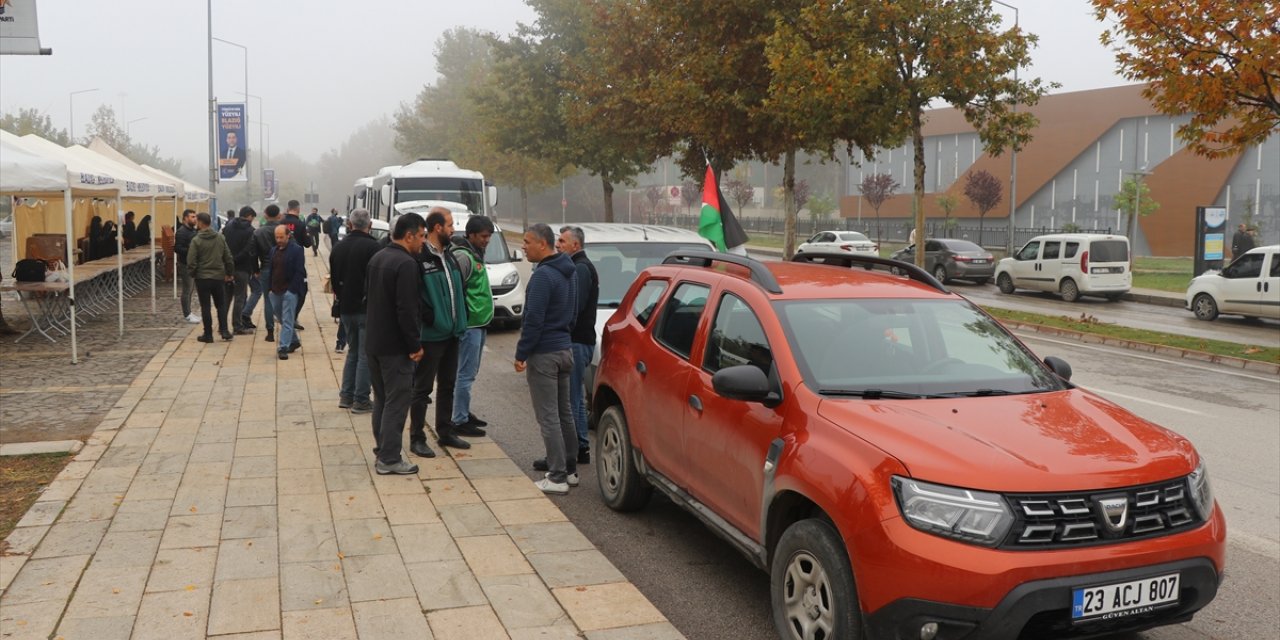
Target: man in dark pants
<point>264,240</point>
<point>288,273</point>
<point>348,265</point>
<point>551,304</point>
<point>210,265</point>
<point>298,228</point>
<point>392,338</point>
<point>331,226</point>
<point>181,242</point>
<point>444,320</point>
<point>239,235</point>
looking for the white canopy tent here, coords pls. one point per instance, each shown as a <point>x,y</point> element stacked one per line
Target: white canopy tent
<point>191,194</point>
<point>26,172</point>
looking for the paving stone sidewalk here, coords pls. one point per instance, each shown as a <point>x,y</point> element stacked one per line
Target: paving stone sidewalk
<point>226,495</point>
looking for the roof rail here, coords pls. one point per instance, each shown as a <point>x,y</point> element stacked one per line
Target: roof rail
<point>842,259</point>
<point>759,273</point>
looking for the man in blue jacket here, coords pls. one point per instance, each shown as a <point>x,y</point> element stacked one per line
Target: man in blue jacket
<point>551,306</point>
<point>288,277</point>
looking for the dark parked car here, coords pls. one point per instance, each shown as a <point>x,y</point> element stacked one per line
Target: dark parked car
<point>948,258</point>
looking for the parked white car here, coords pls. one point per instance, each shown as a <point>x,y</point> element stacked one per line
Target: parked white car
<point>1069,264</point>
<point>6,226</point>
<point>840,241</point>
<point>1249,286</point>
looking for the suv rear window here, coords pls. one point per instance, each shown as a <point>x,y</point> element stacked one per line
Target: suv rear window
<point>618,264</point>
<point>1108,251</point>
<point>680,316</point>
<point>646,299</point>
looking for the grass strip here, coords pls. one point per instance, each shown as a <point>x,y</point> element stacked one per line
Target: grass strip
<point>1089,324</point>
<point>22,478</point>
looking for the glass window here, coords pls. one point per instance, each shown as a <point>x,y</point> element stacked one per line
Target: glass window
<point>1109,251</point>
<point>618,264</point>
<point>679,323</point>
<point>467,191</point>
<point>853,236</point>
<point>962,246</point>
<point>1051,250</point>
<point>1275,265</point>
<point>932,245</point>
<point>1248,266</point>
<point>647,299</point>
<point>1072,249</point>
<point>737,338</point>
<point>1030,251</point>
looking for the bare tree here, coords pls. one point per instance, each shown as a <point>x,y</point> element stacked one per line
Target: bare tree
<point>741,192</point>
<point>877,188</point>
<point>690,194</point>
<point>653,195</point>
<point>985,192</point>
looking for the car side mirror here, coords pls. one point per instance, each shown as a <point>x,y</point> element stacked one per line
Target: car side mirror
<point>517,255</point>
<point>744,382</point>
<point>1059,366</point>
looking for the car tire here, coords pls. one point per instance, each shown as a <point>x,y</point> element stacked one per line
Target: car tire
<point>1069,290</point>
<point>940,273</point>
<point>1005,283</point>
<point>811,584</point>
<point>621,486</point>
<point>1205,307</point>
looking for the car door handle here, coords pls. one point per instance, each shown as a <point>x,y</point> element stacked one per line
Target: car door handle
<point>696,403</point>
<point>641,368</point>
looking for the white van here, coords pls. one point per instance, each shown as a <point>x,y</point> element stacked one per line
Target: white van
<point>1069,264</point>
<point>1249,286</point>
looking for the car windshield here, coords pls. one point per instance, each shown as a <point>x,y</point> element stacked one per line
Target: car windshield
<point>908,348</point>
<point>468,191</point>
<point>852,236</point>
<point>618,263</point>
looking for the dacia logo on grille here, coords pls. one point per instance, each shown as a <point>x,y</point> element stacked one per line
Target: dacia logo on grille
<point>1114,512</point>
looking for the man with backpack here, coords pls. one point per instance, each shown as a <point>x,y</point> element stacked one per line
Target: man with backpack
<point>314,224</point>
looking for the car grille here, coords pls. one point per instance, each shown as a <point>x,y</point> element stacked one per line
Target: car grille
<point>1058,520</point>
<point>502,289</point>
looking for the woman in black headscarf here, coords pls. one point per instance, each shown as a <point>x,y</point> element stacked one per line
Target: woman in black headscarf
<point>94,237</point>
<point>127,230</point>
<point>142,236</point>
<point>109,233</point>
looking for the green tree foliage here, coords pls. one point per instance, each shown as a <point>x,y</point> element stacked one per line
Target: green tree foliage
<point>32,121</point>
<point>1135,196</point>
<point>821,206</point>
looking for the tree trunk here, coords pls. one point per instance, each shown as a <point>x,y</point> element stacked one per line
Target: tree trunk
<point>917,198</point>
<point>524,205</point>
<point>981,218</point>
<point>789,205</point>
<point>608,198</point>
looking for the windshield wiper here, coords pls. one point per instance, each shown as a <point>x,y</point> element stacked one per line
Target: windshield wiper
<point>977,394</point>
<point>873,394</point>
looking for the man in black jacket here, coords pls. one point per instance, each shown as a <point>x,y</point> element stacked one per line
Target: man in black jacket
<point>298,228</point>
<point>392,339</point>
<point>181,242</point>
<point>348,264</point>
<point>264,240</point>
<point>239,235</point>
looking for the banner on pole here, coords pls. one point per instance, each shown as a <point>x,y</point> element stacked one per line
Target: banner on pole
<point>19,31</point>
<point>232,153</point>
<point>269,185</point>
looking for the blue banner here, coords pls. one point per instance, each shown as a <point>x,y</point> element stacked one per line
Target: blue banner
<point>232,151</point>
<point>269,185</point>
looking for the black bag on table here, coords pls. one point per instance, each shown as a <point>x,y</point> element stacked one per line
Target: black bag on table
<point>30,270</point>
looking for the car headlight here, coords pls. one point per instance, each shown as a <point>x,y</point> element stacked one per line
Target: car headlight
<point>512,279</point>
<point>1201,494</point>
<point>962,514</point>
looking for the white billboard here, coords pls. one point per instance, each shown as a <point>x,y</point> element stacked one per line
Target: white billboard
<point>19,32</point>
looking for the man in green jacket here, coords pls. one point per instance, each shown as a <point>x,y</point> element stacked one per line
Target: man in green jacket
<point>210,264</point>
<point>444,319</point>
<point>479,297</point>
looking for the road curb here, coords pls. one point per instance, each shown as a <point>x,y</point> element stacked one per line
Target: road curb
<point>1253,366</point>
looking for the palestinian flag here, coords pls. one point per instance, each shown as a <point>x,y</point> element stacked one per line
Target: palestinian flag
<point>717,222</point>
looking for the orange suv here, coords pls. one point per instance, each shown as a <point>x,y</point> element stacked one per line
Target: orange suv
<point>898,462</point>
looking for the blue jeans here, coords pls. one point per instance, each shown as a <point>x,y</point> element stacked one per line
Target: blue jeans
<point>355,371</point>
<point>255,292</point>
<point>577,391</point>
<point>264,286</point>
<point>286,305</point>
<point>470,348</point>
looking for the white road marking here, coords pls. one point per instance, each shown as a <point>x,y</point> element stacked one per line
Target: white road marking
<point>1141,356</point>
<point>1137,399</point>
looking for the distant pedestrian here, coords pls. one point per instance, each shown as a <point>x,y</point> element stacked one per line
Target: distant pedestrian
<point>444,320</point>
<point>209,263</point>
<point>181,242</point>
<point>142,233</point>
<point>300,235</point>
<point>544,350</point>
<point>288,272</point>
<point>348,267</point>
<point>264,240</point>
<point>331,226</point>
<point>1242,241</point>
<point>239,235</point>
<point>393,341</point>
<point>469,250</point>
<point>315,224</point>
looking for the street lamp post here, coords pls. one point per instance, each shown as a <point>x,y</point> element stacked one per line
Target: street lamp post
<point>1013,171</point>
<point>128,127</point>
<point>248,170</point>
<point>71,109</point>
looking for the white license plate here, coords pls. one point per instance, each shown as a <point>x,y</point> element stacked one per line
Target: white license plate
<point>1109,601</point>
<point>979,261</point>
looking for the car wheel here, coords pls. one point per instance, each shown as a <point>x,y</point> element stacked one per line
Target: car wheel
<point>1204,307</point>
<point>1005,282</point>
<point>811,585</point>
<point>940,272</point>
<point>621,485</point>
<point>1068,289</point>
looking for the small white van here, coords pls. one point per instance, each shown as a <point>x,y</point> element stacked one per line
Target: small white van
<point>1069,264</point>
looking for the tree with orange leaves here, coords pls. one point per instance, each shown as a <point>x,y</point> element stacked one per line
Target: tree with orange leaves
<point>1213,60</point>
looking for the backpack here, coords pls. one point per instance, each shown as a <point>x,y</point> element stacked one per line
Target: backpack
<point>30,270</point>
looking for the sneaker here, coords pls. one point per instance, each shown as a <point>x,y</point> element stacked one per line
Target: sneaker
<point>573,479</point>
<point>400,468</point>
<point>247,323</point>
<point>344,402</point>
<point>584,456</point>
<point>476,422</point>
<point>295,346</point>
<point>362,407</point>
<point>226,335</point>
<point>468,431</point>
<point>194,319</point>
<point>298,327</point>
<point>244,331</point>
<point>554,488</point>
<point>283,355</point>
<point>339,348</point>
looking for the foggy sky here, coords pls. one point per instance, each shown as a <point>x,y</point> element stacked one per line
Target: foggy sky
<point>324,68</point>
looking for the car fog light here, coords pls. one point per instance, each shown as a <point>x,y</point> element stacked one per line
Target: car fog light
<point>929,631</point>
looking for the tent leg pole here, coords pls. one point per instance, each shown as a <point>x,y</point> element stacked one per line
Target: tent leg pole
<point>120,274</point>
<point>71,276</point>
<point>153,258</point>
